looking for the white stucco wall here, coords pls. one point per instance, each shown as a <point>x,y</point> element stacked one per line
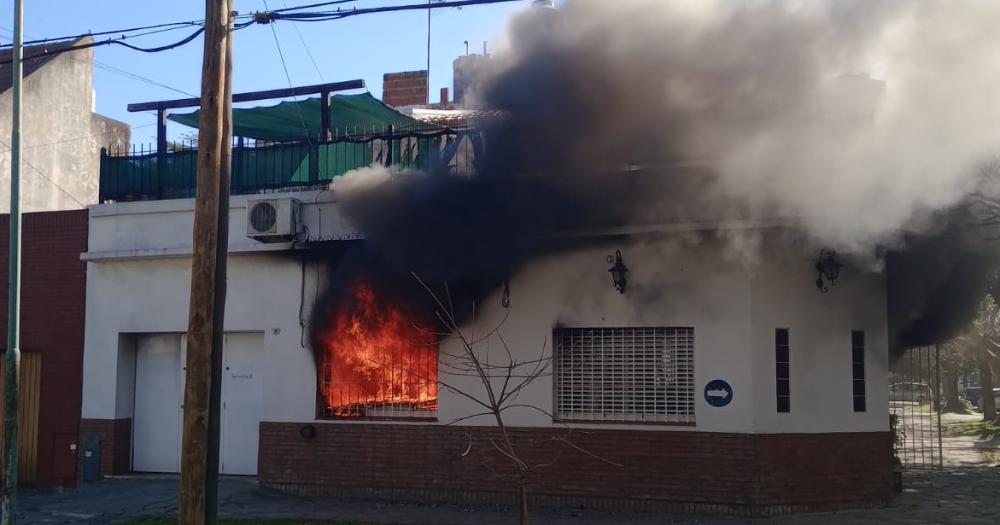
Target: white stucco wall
<point>61,136</point>
<point>819,326</point>
<point>139,274</point>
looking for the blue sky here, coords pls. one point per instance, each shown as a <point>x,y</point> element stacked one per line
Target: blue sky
<point>357,47</point>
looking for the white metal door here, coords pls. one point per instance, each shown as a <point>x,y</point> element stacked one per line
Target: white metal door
<point>241,402</point>
<point>156,423</point>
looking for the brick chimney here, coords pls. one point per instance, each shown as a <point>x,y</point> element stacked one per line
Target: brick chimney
<point>444,97</point>
<point>408,88</point>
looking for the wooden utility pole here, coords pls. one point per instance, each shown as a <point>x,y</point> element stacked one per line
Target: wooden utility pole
<point>207,306</point>
<point>222,251</point>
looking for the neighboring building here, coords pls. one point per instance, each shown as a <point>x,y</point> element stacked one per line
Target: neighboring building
<point>407,88</point>
<point>62,138</point>
<point>61,134</point>
<point>716,385</point>
<point>53,283</point>
<point>467,69</point>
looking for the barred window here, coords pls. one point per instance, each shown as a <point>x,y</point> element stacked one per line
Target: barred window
<point>624,374</point>
<point>858,369</point>
<point>782,367</point>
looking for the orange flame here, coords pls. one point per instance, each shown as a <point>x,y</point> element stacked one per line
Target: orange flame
<point>378,360</point>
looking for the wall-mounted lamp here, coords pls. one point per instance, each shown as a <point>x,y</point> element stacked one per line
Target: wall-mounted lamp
<point>619,272</point>
<point>828,269</point>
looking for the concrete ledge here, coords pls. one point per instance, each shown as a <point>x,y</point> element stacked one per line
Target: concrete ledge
<point>170,253</point>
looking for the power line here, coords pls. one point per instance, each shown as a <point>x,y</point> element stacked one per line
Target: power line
<point>167,26</point>
<point>310,6</point>
<point>135,76</point>
<point>82,137</point>
<point>304,45</point>
<point>120,41</point>
<point>46,177</point>
<point>322,16</point>
<point>288,13</point>
<point>288,77</point>
<point>120,71</point>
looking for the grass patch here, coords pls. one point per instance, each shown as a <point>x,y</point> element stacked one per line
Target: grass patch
<point>164,520</point>
<point>983,429</point>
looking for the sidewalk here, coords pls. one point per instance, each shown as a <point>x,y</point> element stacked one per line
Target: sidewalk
<point>967,450</point>
<point>964,496</point>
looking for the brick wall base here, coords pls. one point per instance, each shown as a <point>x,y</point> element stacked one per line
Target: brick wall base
<point>116,443</point>
<point>745,474</point>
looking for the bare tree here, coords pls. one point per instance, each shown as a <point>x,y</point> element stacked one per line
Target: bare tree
<point>987,331</point>
<point>498,385</point>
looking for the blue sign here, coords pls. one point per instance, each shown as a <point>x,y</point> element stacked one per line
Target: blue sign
<point>718,393</point>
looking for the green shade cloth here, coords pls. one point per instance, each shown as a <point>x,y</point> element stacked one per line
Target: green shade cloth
<point>288,121</point>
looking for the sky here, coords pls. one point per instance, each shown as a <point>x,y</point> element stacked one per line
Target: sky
<point>362,47</point>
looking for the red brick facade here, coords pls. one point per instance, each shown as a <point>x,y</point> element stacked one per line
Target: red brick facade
<point>737,473</point>
<point>53,287</point>
<point>116,443</point>
<point>405,89</point>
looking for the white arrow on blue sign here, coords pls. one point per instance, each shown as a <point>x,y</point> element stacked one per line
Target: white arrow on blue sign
<point>718,393</point>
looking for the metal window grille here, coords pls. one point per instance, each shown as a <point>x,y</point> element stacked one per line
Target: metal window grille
<point>396,385</point>
<point>858,369</point>
<point>624,374</point>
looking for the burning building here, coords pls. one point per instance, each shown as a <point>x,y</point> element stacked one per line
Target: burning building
<point>664,247</point>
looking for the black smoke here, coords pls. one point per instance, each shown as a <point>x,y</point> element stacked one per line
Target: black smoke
<point>641,112</point>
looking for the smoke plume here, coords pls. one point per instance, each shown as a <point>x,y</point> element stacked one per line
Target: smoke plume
<point>862,123</point>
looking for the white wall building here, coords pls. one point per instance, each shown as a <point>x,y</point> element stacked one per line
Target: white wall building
<point>723,317</point>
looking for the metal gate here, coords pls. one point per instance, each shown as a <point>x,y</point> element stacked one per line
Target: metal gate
<point>27,423</point>
<point>915,407</point>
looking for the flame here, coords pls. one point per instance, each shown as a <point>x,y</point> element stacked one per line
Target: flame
<point>378,359</point>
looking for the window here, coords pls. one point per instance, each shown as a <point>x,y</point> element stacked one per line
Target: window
<point>781,370</point>
<point>624,374</point>
<point>858,369</point>
<point>376,360</point>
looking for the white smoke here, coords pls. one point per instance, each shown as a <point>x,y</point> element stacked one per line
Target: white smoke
<point>857,119</point>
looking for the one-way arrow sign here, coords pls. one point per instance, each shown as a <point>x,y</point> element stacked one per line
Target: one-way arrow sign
<point>718,393</point>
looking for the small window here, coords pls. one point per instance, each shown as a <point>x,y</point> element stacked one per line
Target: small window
<point>858,369</point>
<point>624,374</point>
<point>781,370</point>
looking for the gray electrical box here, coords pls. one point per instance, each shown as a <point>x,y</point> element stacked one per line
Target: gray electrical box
<point>91,457</point>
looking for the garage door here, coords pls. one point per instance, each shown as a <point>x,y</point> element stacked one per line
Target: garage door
<point>160,393</point>
<point>241,401</point>
<point>156,425</point>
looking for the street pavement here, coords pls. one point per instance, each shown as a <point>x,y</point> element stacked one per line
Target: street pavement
<point>954,495</point>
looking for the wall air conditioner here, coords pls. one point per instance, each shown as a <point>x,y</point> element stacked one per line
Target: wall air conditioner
<point>273,219</point>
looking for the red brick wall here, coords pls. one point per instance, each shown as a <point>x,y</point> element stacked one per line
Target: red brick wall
<point>745,473</point>
<point>405,89</point>
<point>817,468</point>
<point>53,285</point>
<point>116,443</point>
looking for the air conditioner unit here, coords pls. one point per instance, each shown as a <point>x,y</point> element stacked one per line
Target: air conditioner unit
<point>273,219</point>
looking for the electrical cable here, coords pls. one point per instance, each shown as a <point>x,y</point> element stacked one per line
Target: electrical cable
<point>169,26</point>
<point>322,16</point>
<point>119,41</point>
<point>46,177</point>
<point>305,46</point>
<point>288,13</point>
<point>179,43</point>
<point>288,77</point>
<point>310,6</point>
<point>117,70</point>
<point>82,137</point>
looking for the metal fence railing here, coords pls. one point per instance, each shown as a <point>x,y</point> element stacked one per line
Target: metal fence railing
<point>915,407</point>
<point>146,174</point>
